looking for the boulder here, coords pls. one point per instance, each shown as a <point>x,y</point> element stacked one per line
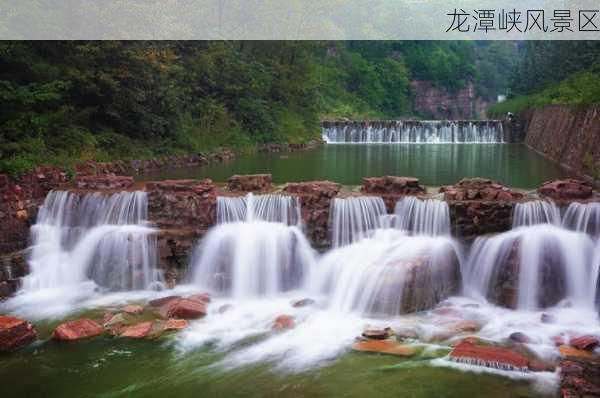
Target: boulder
<point>133,309</point>
<point>77,330</point>
<point>138,331</point>
<point>569,189</point>
<point>183,308</point>
<point>250,183</point>
<point>390,347</point>
<point>488,356</point>
<point>303,303</point>
<point>159,302</point>
<point>580,376</point>
<point>283,322</point>
<point>519,337</point>
<point>202,298</point>
<point>568,351</point>
<point>585,342</point>
<point>15,333</point>
<point>176,324</point>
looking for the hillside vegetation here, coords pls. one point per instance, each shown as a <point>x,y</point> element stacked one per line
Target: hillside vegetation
<point>63,102</point>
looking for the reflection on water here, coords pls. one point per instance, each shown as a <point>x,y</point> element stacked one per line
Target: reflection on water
<point>434,164</point>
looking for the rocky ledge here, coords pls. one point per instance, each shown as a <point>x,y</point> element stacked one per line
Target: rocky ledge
<point>250,183</point>
<point>570,189</point>
<point>392,188</point>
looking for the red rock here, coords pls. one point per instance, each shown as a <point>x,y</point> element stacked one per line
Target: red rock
<point>176,324</point>
<point>159,302</point>
<point>566,189</point>
<point>183,308</point>
<point>569,351</point>
<point>76,330</point>
<point>202,297</point>
<point>138,331</point>
<point>585,342</point>
<point>251,183</point>
<point>479,189</point>
<point>133,309</point>
<point>540,366</point>
<point>384,347</point>
<point>465,327</point>
<point>488,356</point>
<point>103,181</point>
<point>303,303</point>
<point>15,333</point>
<point>283,322</point>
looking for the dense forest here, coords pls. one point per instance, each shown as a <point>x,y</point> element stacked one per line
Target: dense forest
<point>553,72</point>
<point>65,102</point>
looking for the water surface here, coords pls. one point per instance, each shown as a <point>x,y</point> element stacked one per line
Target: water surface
<point>434,164</point>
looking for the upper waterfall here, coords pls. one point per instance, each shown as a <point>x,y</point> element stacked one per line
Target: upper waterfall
<point>273,208</point>
<point>105,238</point>
<point>409,131</point>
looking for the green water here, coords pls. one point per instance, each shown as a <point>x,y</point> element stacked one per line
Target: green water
<point>434,164</point>
<point>112,367</point>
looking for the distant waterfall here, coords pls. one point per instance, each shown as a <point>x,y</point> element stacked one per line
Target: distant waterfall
<point>405,131</point>
<point>352,218</point>
<point>256,249</point>
<point>533,267</point>
<point>273,208</point>
<point>78,237</point>
<point>536,212</point>
<point>421,217</point>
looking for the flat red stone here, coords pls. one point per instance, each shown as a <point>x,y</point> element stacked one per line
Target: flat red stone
<point>497,357</point>
<point>76,330</point>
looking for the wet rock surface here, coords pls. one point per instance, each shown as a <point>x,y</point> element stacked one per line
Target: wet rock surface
<point>103,182</point>
<point>77,330</point>
<point>482,189</point>
<point>15,333</point>
<point>392,188</point>
<point>468,351</point>
<point>570,189</point>
<point>390,347</point>
<point>250,183</point>
<point>283,322</point>
<point>315,199</point>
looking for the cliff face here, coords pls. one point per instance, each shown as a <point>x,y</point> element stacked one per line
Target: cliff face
<point>564,134</point>
<point>438,103</point>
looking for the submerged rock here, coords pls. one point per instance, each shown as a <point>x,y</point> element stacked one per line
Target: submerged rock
<point>303,303</point>
<point>77,330</point>
<point>488,356</point>
<point>283,322</point>
<point>391,347</point>
<point>519,337</point>
<point>176,324</point>
<point>15,333</point>
<point>224,308</point>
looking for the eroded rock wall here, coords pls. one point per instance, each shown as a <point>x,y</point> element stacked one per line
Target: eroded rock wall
<point>565,134</point>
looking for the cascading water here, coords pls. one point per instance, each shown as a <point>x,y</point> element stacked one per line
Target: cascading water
<point>421,217</point>
<point>353,218</point>
<point>533,267</point>
<point>433,132</point>
<point>536,212</point>
<point>583,217</point>
<point>105,238</point>
<point>272,208</point>
<point>253,257</point>
<point>389,273</point>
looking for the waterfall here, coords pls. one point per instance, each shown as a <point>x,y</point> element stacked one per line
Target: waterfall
<point>533,267</point>
<point>584,217</point>
<point>248,254</point>
<point>421,217</point>
<point>353,218</point>
<point>536,212</point>
<point>273,208</point>
<point>403,131</point>
<point>388,273</point>
<point>105,238</point>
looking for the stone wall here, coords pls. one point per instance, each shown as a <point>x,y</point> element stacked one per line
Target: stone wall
<point>183,211</point>
<point>564,134</point>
